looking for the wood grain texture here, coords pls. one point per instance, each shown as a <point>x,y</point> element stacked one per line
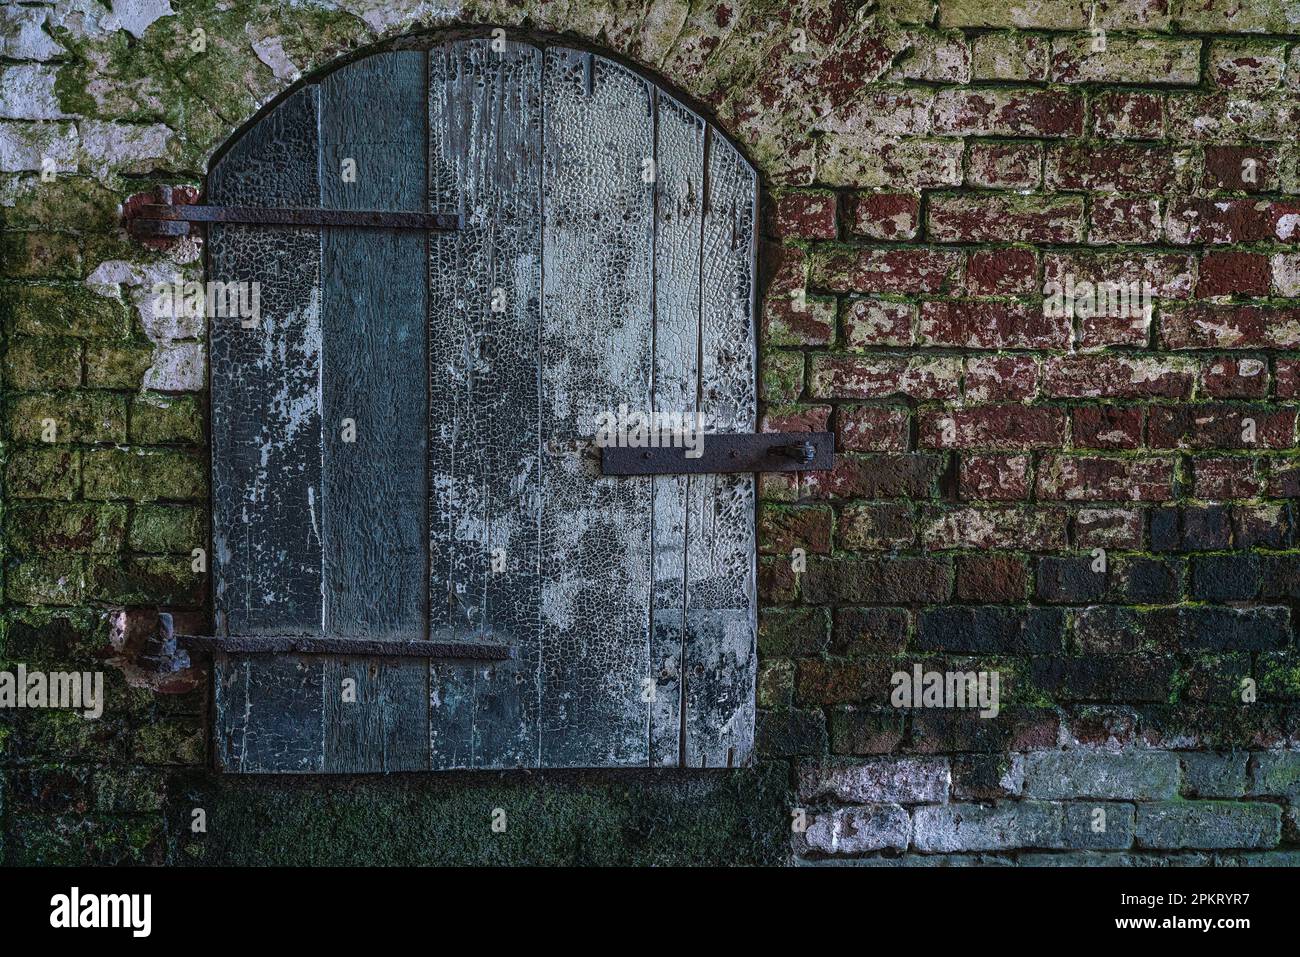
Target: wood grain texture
<point>270,715</point>
<point>266,424</point>
<point>721,623</point>
<point>475,365</point>
<point>374,325</point>
<point>485,114</point>
<point>596,356</point>
<point>375,714</point>
<point>679,204</point>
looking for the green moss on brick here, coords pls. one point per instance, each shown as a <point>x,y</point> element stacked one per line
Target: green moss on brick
<point>66,416</point>
<point>42,363</point>
<point>781,378</point>
<point>72,526</point>
<point>40,255</point>
<point>43,473</point>
<point>163,420</point>
<point>47,580</point>
<point>176,529</point>
<point>149,580</point>
<point>143,475</point>
<point>63,310</point>
<point>120,365</point>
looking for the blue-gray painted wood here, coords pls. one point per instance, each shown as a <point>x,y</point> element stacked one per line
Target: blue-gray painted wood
<point>376,716</point>
<point>485,118</point>
<point>374,322</point>
<point>475,365</point>
<point>679,206</point>
<point>374,326</point>
<point>270,714</point>
<point>721,605</point>
<point>266,438</point>
<point>596,355</point>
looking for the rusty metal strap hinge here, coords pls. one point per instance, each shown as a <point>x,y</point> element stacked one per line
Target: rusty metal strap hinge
<point>173,220</point>
<point>348,647</point>
<point>727,452</point>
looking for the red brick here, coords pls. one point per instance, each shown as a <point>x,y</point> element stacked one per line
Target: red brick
<point>1124,115</point>
<point>993,478</point>
<point>1117,377</point>
<point>1170,274</point>
<point>1247,66</point>
<point>776,580</point>
<point>982,324</point>
<point>1125,59</point>
<point>879,377</point>
<point>1227,377</point>
<point>1001,378</point>
<point>1234,274</point>
<point>1227,117</point>
<point>803,214</point>
<point>876,526</point>
<point>1098,332</point>
<point>1001,272</point>
<point>997,217</point>
<point>992,427</point>
<point>1113,292</point>
<point>796,418</point>
<point>1008,112</point>
<point>1219,427</point>
<point>1081,478</point>
<point>1124,219</point>
<point>1118,168</point>
<point>1108,528</point>
<point>1284,481</point>
<point>1222,478</point>
<point>898,270</point>
<point>1004,165</point>
<point>1208,326</point>
<point>883,475</point>
<point>877,322</point>
<point>871,428</point>
<point>782,528</point>
<point>1288,378</point>
<point>991,579</point>
<point>1106,427</point>
<point>1244,168</point>
<point>1220,221</point>
<point>790,315</point>
<point>884,215</point>
<point>998,526</point>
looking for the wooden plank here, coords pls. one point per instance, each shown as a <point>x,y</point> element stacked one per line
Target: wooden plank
<point>596,355</point>
<point>375,714</point>
<point>269,714</point>
<point>485,114</point>
<point>721,608</point>
<point>266,441</point>
<point>679,201</point>
<point>374,388</point>
<point>374,326</point>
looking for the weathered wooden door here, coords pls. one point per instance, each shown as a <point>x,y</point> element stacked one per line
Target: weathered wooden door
<point>402,447</point>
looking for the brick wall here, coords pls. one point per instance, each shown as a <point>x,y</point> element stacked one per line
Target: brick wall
<point>1098,508</point>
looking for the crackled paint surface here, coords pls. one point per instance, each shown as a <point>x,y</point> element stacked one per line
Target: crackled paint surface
<point>630,604</point>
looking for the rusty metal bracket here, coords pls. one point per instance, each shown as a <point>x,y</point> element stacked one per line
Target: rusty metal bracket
<point>160,653</point>
<point>350,647</point>
<point>167,220</point>
<point>727,452</point>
